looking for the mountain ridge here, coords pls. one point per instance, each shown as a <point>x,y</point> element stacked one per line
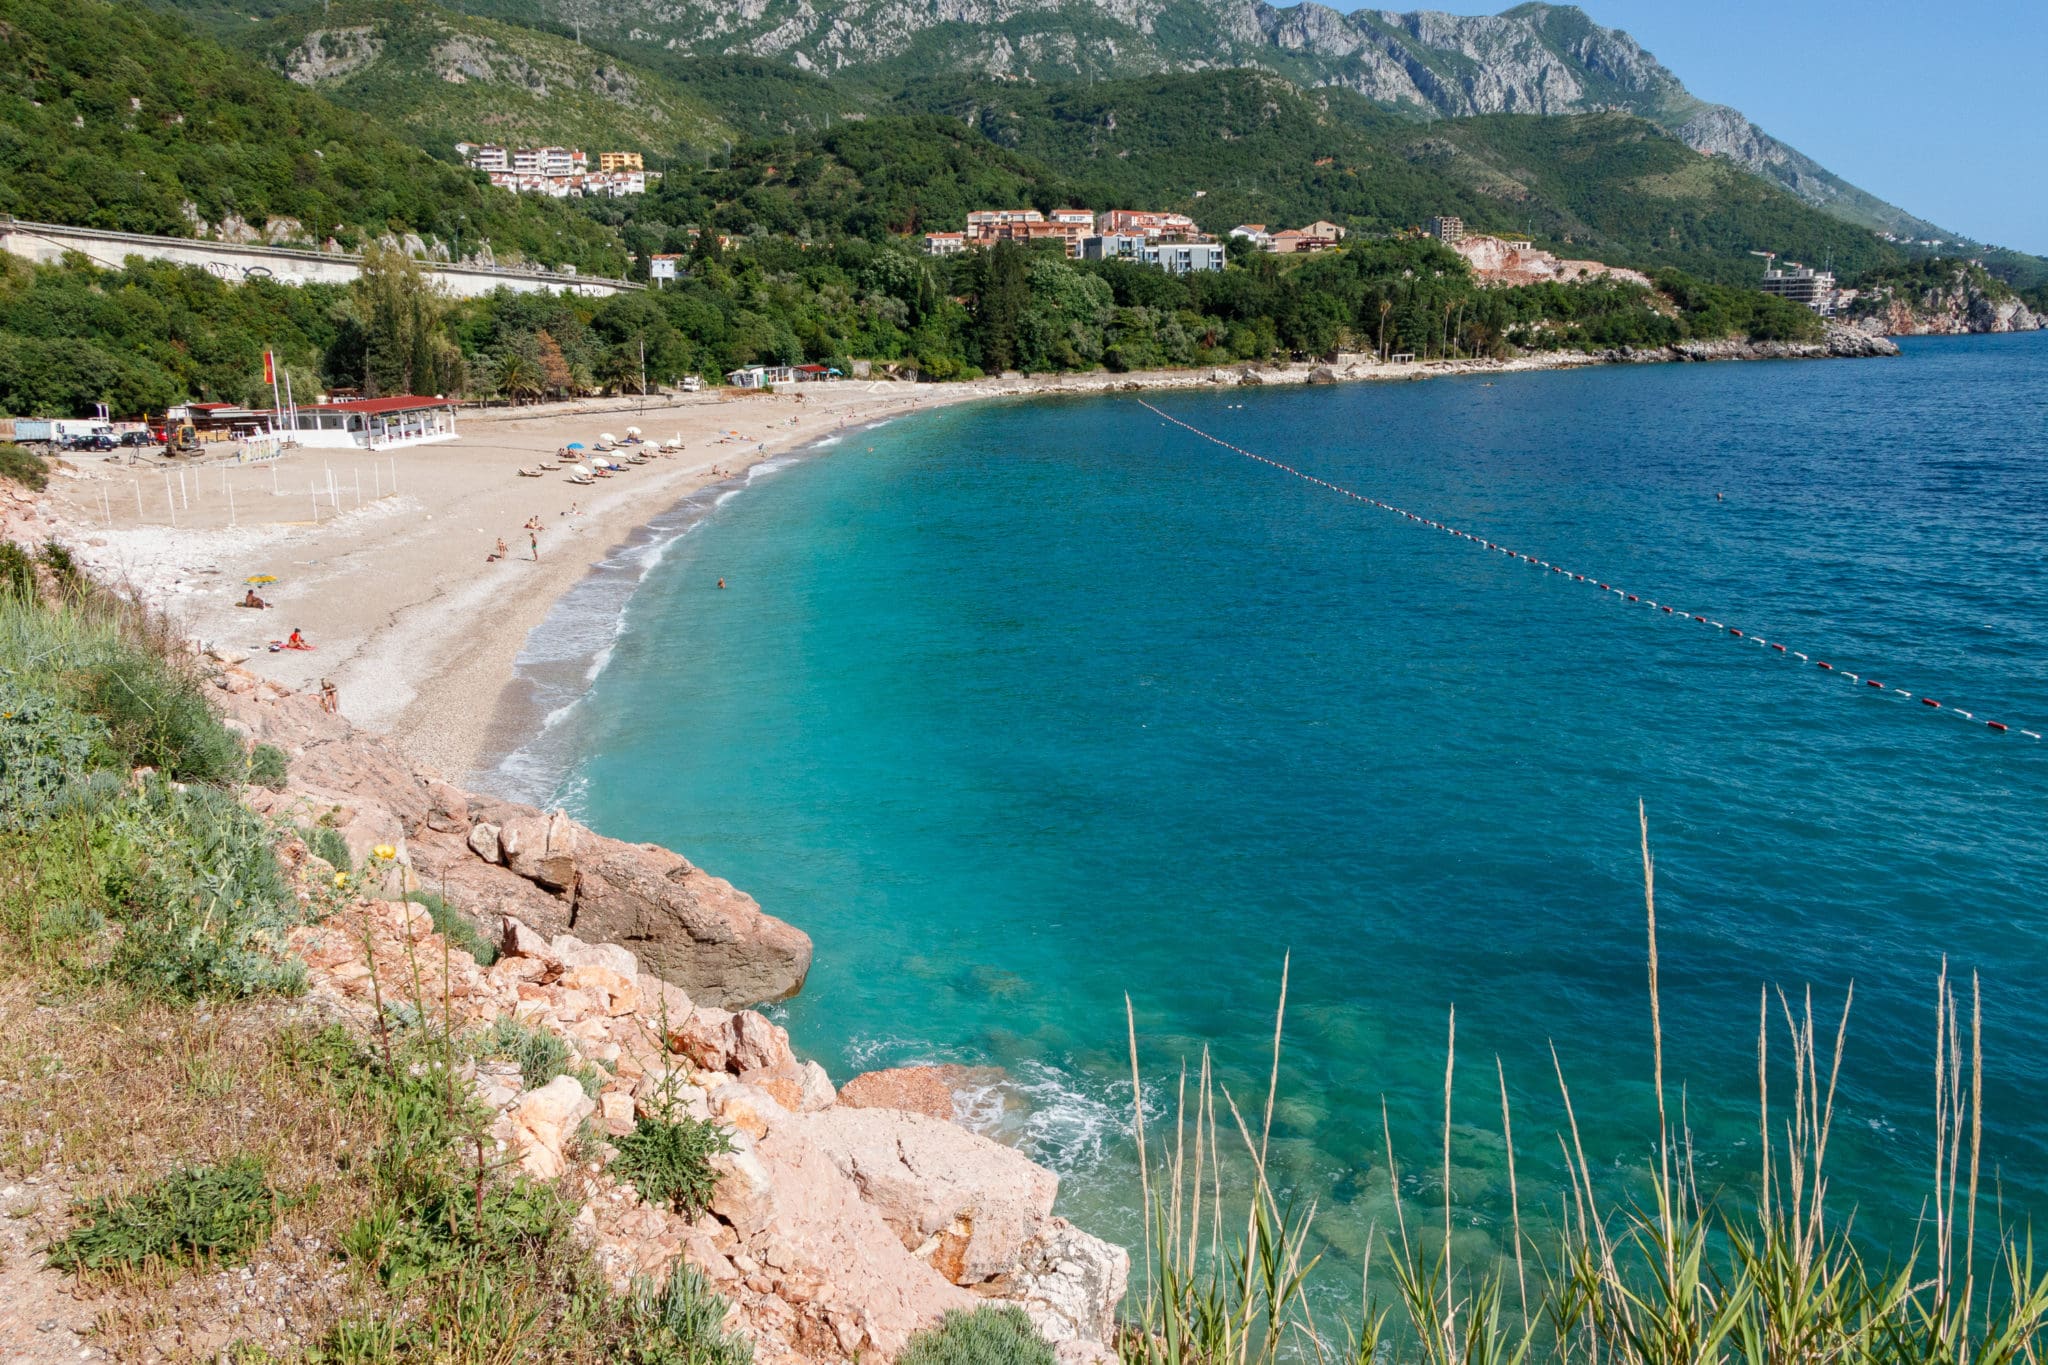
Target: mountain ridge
<point>1535,58</point>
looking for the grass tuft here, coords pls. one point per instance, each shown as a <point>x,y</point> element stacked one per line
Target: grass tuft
<point>456,927</point>
<point>204,1213</point>
<point>987,1336</point>
<point>23,465</point>
<point>268,767</point>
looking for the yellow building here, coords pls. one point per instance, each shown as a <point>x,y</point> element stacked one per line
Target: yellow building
<point>620,161</point>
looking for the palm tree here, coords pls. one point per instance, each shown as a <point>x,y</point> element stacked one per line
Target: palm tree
<point>518,376</point>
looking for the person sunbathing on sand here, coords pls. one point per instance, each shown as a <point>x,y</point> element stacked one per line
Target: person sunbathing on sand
<point>250,599</point>
<point>296,640</point>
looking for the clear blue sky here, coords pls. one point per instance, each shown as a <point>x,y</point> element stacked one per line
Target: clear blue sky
<point>1941,108</point>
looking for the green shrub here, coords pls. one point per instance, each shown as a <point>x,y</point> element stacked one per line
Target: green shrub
<point>203,1212</point>
<point>158,716</point>
<point>406,1240</point>
<point>328,846</point>
<point>986,1336</point>
<point>23,466</point>
<point>456,927</point>
<point>541,1055</point>
<point>198,889</point>
<point>71,580</point>
<point>681,1322</point>
<point>268,767</point>
<point>669,1161</point>
<point>45,746</point>
<point>17,572</point>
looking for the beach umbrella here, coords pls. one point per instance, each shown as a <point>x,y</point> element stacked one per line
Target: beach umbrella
<point>574,445</point>
<point>607,438</point>
<point>261,578</point>
<point>632,431</point>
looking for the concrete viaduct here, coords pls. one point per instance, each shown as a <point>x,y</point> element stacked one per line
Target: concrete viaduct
<point>48,243</point>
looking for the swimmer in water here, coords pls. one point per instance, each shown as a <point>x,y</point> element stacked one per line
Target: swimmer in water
<point>721,582</point>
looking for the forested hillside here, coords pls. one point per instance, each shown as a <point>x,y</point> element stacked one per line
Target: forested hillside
<point>116,116</point>
<point>1257,149</point>
<point>444,77</point>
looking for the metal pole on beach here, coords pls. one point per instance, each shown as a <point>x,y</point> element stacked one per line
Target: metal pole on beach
<point>231,500</point>
<point>170,501</point>
<point>107,506</point>
<point>138,500</point>
<point>359,485</point>
<point>313,492</point>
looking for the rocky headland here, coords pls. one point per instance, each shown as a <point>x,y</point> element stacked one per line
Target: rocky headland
<point>1962,301</point>
<point>842,1222</point>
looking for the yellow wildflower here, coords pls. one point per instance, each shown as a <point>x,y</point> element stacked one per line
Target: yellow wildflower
<point>385,852</point>
<point>341,879</point>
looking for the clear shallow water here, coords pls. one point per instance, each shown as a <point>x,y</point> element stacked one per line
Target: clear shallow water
<point>1020,708</point>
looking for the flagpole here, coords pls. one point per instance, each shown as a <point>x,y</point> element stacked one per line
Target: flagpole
<point>276,403</point>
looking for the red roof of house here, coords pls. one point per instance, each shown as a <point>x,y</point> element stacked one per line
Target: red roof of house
<point>372,407</point>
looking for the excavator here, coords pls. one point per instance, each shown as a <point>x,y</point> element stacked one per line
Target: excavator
<point>182,440</point>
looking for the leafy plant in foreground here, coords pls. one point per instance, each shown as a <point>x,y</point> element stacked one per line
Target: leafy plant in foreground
<point>987,1336</point>
<point>221,1212</point>
<point>668,1159</point>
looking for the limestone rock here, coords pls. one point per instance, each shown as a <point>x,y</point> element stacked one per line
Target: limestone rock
<point>543,848</point>
<point>483,841</point>
<point>747,1108</point>
<point>802,1087</point>
<point>719,1040</point>
<point>687,926</point>
<point>918,1089</point>
<point>571,951</point>
<point>932,1179</point>
<point>820,1226</point>
<point>517,940</point>
<point>1068,1283</point>
<point>745,1195</point>
<point>545,1120</point>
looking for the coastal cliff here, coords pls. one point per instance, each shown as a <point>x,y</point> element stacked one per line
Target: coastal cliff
<point>840,1226</point>
<point>496,1002</point>
<point>1940,298</point>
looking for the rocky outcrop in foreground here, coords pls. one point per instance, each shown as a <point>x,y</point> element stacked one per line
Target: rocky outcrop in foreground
<point>835,1232</point>
<point>837,1229</point>
<point>494,859</point>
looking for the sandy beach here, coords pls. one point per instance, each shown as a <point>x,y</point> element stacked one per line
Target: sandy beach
<point>409,616</point>
<point>385,560</point>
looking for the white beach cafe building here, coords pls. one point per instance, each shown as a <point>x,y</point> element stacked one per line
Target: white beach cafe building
<point>369,423</point>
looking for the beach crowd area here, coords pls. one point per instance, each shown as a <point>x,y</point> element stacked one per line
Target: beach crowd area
<point>389,563</point>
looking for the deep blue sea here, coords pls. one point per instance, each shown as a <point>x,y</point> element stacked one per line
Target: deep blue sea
<point>1020,708</point>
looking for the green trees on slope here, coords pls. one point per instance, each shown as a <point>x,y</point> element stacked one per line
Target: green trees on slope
<point>116,116</point>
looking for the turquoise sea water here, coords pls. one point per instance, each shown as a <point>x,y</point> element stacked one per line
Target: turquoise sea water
<point>1020,708</point>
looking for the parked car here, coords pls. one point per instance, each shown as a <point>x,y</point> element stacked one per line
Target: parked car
<point>99,440</point>
<point>144,439</point>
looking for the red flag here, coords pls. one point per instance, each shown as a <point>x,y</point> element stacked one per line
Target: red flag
<point>269,369</point>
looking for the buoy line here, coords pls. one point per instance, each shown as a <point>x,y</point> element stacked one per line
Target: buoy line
<point>1768,646</point>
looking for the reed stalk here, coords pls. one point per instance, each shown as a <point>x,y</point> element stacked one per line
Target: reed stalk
<point>1661,1275</point>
